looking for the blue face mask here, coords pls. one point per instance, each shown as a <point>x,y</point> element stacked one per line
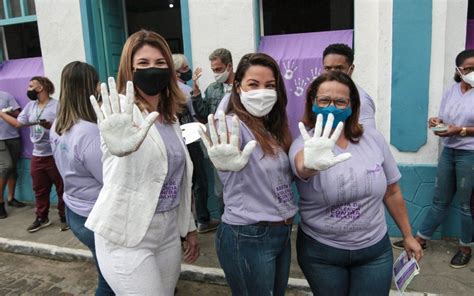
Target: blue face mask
<point>340,115</point>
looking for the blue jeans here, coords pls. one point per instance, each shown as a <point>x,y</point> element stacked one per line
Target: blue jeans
<point>454,179</point>
<point>86,236</point>
<point>255,259</point>
<point>333,271</point>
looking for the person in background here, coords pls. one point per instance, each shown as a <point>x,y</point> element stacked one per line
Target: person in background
<point>253,241</point>
<point>455,174</point>
<point>200,187</point>
<point>340,57</point>
<point>342,244</point>
<point>222,67</point>
<point>75,141</point>
<point>145,202</point>
<point>39,114</point>
<point>10,148</point>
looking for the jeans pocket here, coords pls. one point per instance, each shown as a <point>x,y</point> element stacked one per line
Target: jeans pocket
<point>252,231</point>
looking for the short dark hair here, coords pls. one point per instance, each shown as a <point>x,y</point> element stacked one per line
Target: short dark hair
<point>460,58</point>
<point>352,128</point>
<point>340,49</point>
<point>223,54</point>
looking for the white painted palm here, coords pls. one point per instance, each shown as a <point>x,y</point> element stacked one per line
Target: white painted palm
<point>121,135</point>
<point>224,150</point>
<point>318,154</point>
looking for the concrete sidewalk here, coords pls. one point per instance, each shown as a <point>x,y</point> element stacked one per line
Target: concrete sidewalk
<point>436,276</point>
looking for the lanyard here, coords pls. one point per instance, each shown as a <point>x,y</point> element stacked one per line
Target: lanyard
<point>42,110</point>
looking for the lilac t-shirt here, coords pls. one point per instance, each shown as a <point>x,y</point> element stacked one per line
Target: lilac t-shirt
<point>367,109</point>
<point>343,206</point>
<point>39,135</point>
<point>261,191</point>
<point>78,157</point>
<point>458,109</point>
<point>169,195</point>
<point>186,89</point>
<point>7,131</point>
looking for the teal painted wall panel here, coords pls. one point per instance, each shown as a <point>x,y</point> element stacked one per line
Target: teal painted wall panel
<point>186,32</point>
<point>411,54</point>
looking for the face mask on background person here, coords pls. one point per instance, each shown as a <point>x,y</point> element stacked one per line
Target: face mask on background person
<point>222,77</point>
<point>258,102</point>
<point>468,78</point>
<point>186,76</point>
<point>340,115</point>
<point>32,94</point>
<point>151,80</point>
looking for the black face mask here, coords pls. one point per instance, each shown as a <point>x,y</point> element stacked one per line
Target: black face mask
<point>151,80</point>
<point>186,76</point>
<point>32,94</point>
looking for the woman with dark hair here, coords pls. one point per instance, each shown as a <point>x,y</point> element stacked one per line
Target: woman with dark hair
<point>253,240</point>
<point>75,140</point>
<point>145,203</point>
<point>455,175</point>
<point>345,176</point>
<point>39,114</point>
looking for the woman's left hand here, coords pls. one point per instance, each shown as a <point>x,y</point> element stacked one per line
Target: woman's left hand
<point>412,247</point>
<point>191,247</point>
<point>452,131</point>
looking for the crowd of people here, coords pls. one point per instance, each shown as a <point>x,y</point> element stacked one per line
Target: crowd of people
<point>126,181</point>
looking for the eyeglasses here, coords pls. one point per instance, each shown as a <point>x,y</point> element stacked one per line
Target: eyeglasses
<point>466,70</point>
<point>339,103</point>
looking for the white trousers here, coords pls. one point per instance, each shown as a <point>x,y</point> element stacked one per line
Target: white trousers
<point>152,267</point>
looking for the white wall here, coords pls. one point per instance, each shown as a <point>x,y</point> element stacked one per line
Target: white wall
<point>60,31</point>
<point>220,23</point>
<point>373,59</point>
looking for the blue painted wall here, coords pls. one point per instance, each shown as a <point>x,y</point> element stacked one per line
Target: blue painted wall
<point>411,54</point>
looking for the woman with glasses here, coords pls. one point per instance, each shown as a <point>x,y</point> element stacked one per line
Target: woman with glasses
<point>345,177</point>
<point>455,175</point>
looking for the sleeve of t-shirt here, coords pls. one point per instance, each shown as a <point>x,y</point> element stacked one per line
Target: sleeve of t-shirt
<point>390,168</point>
<point>295,147</point>
<point>92,158</point>
<point>12,102</point>
<point>444,100</point>
<point>24,114</point>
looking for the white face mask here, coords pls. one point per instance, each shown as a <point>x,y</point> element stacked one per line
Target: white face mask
<point>258,102</point>
<point>222,77</point>
<point>468,78</point>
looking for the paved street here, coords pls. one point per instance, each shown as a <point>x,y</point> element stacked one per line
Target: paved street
<point>30,275</point>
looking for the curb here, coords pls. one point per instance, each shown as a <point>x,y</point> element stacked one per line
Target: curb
<point>188,272</point>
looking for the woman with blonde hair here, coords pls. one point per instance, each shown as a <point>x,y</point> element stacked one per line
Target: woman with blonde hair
<point>145,204</point>
<point>75,140</point>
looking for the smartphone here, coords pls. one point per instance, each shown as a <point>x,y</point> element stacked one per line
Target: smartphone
<point>42,120</point>
<point>440,128</point>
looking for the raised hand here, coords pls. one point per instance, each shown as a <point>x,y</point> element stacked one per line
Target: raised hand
<point>225,153</point>
<point>121,135</point>
<point>318,153</point>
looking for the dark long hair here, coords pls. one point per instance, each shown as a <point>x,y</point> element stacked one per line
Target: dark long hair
<point>78,82</point>
<point>352,129</point>
<point>276,122</point>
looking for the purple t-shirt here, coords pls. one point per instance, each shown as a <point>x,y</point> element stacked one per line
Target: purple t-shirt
<point>343,206</point>
<point>7,131</point>
<point>458,109</point>
<point>169,195</point>
<point>39,135</point>
<point>261,191</point>
<point>367,109</point>
<point>79,160</point>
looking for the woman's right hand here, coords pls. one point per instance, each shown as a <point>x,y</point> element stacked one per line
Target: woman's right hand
<point>225,153</point>
<point>318,155</point>
<point>434,121</point>
<point>121,135</point>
